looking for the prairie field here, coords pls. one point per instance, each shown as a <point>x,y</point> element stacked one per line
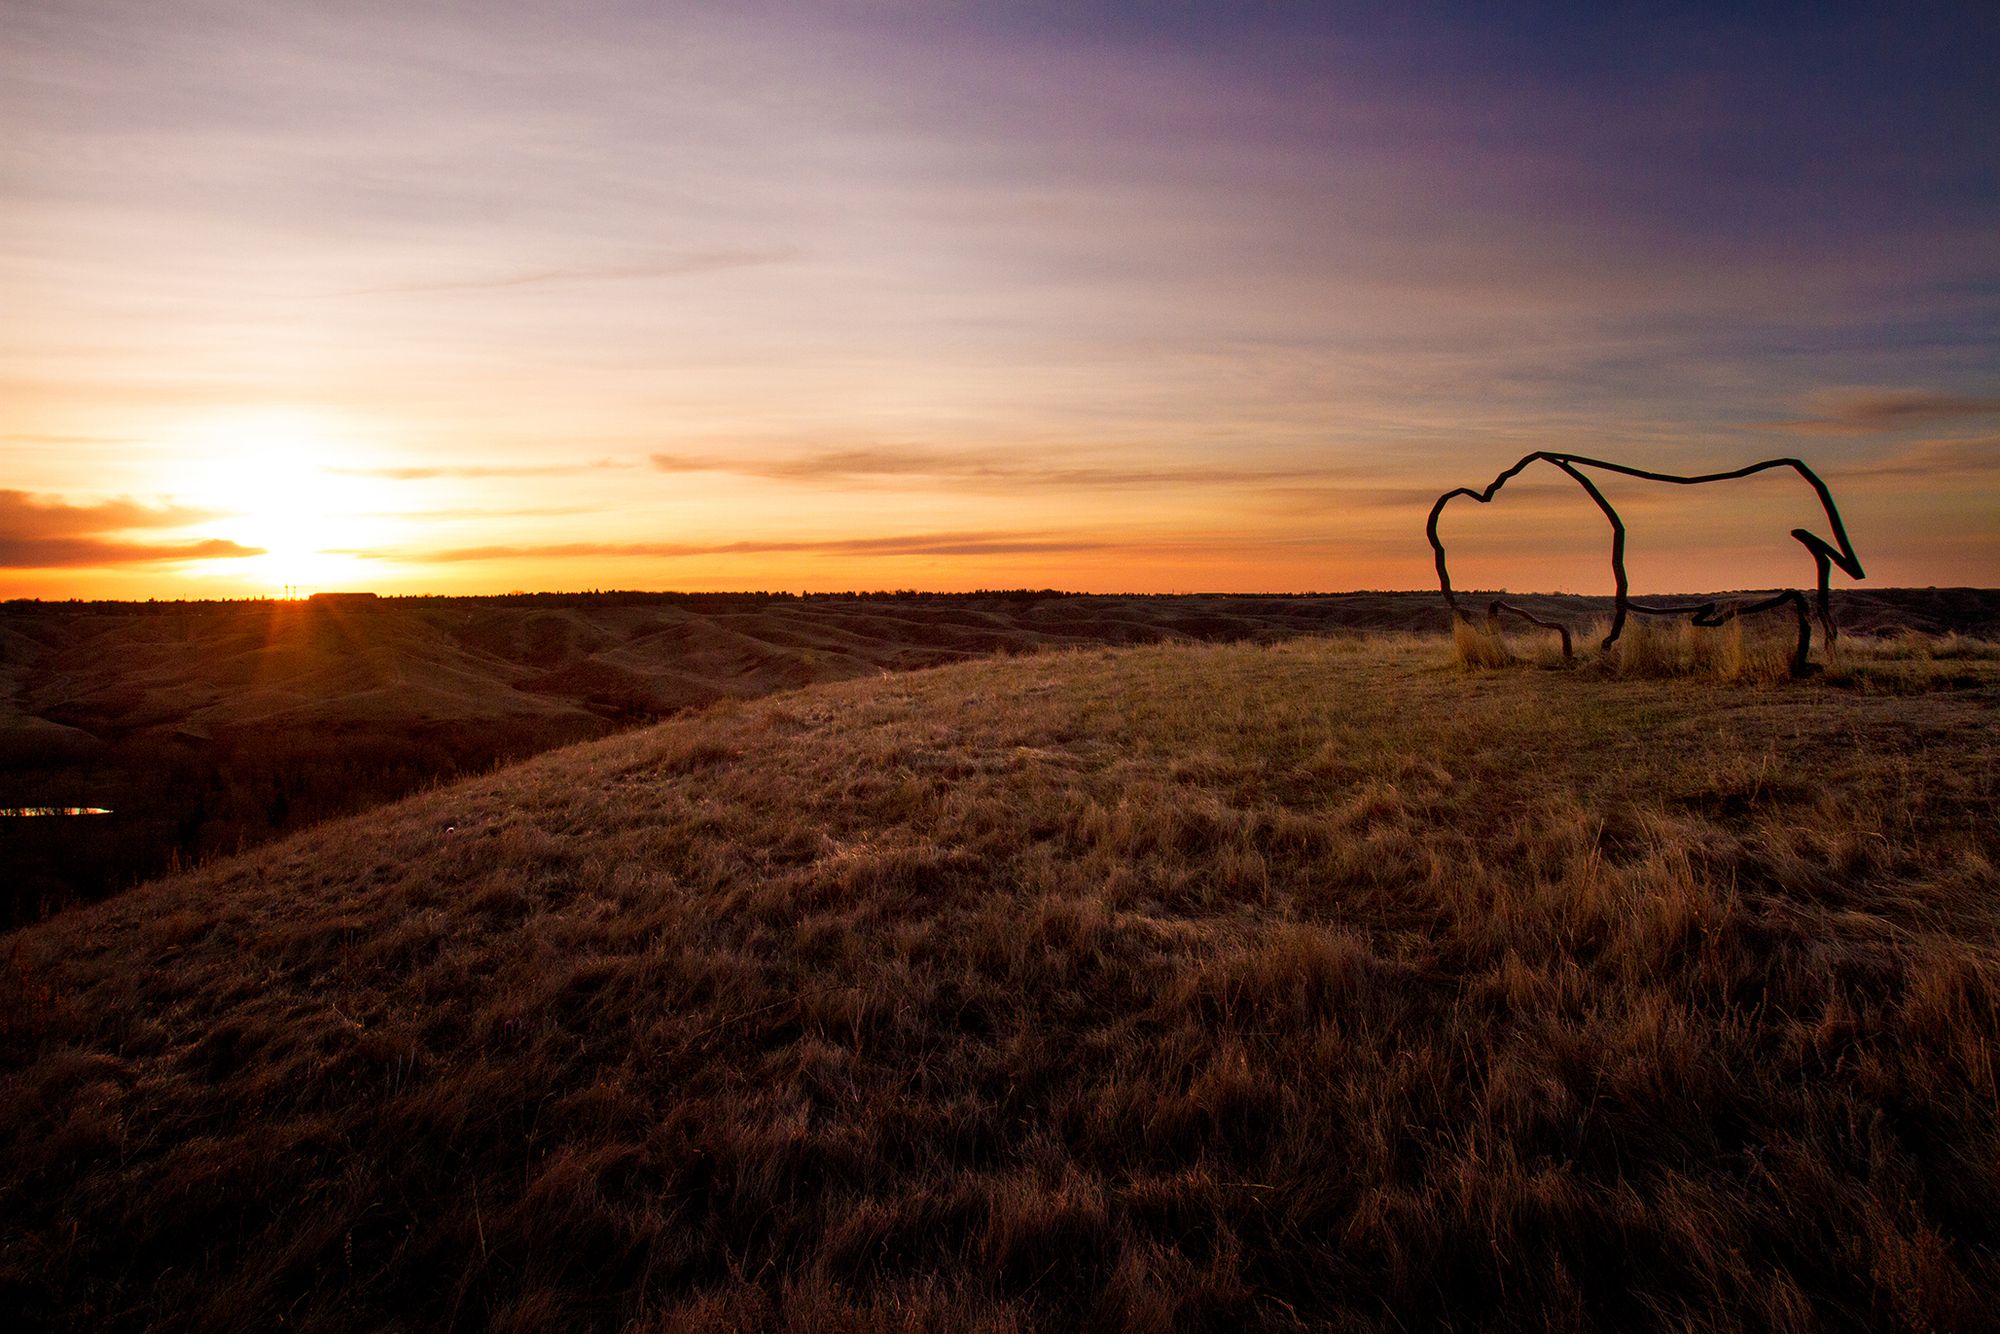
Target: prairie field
<point>1317,983</point>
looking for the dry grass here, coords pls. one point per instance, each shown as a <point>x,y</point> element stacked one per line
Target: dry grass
<point>209,728</point>
<point>1181,987</point>
<point>1480,646</point>
<point>1756,652</point>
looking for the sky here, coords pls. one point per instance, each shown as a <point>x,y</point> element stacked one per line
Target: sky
<point>1144,297</point>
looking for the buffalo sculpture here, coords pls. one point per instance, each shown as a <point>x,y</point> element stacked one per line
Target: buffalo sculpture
<point>1827,555</point>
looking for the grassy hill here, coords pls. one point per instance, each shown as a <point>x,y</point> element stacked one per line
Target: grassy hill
<point>1175,986</point>
<point>207,728</point>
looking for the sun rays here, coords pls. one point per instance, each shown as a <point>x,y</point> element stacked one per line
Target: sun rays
<point>282,482</point>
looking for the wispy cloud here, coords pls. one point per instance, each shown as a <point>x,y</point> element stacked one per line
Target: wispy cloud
<point>42,534</point>
<point>23,514</point>
<point>714,261</point>
<point>1869,413</point>
<point>1335,497</point>
<point>460,514</point>
<point>1933,459</point>
<point>889,464</point>
<point>426,472</point>
<point>99,553</point>
<point>919,544</point>
<point>1126,547</point>
<point>43,438</point>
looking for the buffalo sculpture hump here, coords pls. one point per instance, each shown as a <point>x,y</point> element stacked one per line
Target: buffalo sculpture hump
<point>1826,555</point>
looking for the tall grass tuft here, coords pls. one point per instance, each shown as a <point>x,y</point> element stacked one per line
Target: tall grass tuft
<point>1736,651</point>
<point>1480,647</point>
<point>1715,651</point>
<point>1648,648</point>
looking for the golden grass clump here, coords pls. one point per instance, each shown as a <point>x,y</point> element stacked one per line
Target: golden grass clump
<point>1176,987</point>
<point>1647,649</point>
<point>1714,651</point>
<point>1476,646</point>
<point>1736,651</point>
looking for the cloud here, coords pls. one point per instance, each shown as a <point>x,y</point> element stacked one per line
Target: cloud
<point>714,261</point>
<point>39,534</point>
<point>1334,497</point>
<point>1889,410</point>
<point>1932,459</point>
<point>25,515</point>
<point>891,463</point>
<point>424,472</point>
<point>483,512</point>
<point>919,544</point>
<point>49,553</point>
<point>1209,545</point>
<point>43,438</point>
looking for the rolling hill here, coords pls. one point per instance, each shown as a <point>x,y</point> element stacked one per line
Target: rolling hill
<point>207,728</point>
<point>1182,986</point>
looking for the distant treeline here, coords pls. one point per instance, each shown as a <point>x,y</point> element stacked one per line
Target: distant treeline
<point>625,597</point>
<point>608,597</point>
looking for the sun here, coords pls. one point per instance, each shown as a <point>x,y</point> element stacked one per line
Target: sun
<point>282,483</point>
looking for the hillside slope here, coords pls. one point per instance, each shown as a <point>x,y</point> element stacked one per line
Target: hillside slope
<point>209,727</point>
<point>1180,986</point>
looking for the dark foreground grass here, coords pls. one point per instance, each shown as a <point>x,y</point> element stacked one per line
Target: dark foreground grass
<point>1162,988</point>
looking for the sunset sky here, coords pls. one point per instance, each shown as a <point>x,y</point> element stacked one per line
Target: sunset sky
<point>1146,297</point>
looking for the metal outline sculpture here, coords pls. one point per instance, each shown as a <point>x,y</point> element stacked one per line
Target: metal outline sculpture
<point>1710,613</point>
